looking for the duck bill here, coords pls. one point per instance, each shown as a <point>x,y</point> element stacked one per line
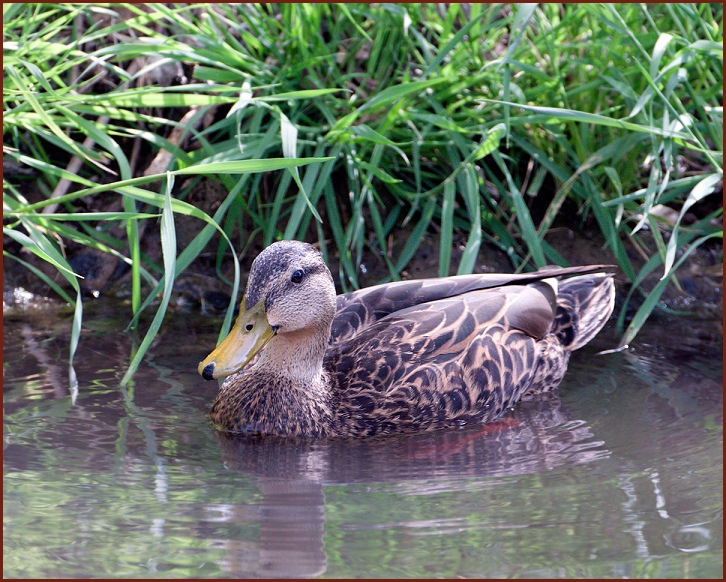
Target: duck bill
<point>249,335</point>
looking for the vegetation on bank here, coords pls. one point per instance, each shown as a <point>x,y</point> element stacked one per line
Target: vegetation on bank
<point>344,124</point>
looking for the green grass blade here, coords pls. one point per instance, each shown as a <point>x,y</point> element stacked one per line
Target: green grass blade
<point>491,141</point>
<point>82,216</point>
<point>43,250</point>
<point>416,236</point>
<point>470,192</point>
<point>654,296</point>
<point>385,97</point>
<point>451,45</point>
<point>523,216</point>
<point>247,166</point>
<point>447,228</point>
<point>557,113</point>
<point>168,247</point>
<point>705,187</point>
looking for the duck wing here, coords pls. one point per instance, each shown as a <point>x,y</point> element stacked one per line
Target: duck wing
<point>463,357</point>
<point>358,310</point>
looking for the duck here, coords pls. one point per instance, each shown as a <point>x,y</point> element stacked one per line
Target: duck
<point>398,357</point>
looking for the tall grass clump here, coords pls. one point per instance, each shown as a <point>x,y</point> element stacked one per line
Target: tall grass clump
<point>366,128</point>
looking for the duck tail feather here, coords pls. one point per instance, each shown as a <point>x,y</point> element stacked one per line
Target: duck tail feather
<point>584,304</point>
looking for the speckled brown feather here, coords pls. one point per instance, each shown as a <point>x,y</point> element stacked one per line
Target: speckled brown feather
<point>464,359</point>
<point>420,355</point>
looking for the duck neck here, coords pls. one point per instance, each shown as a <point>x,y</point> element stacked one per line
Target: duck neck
<point>297,356</point>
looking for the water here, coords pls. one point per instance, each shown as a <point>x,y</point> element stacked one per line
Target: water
<point>620,474</point>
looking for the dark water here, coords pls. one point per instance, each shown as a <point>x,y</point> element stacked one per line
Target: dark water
<point>619,475</point>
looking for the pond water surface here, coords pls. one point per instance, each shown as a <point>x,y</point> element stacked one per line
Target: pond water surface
<point>620,474</point>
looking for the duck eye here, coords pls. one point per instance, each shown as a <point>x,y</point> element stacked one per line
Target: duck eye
<point>297,276</point>
<point>249,326</point>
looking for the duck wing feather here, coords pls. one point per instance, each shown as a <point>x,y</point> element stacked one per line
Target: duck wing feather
<point>463,357</point>
<point>358,310</point>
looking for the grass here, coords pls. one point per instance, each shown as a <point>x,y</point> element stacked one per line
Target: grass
<point>352,124</point>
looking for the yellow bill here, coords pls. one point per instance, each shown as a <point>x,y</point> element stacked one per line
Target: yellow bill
<point>246,339</point>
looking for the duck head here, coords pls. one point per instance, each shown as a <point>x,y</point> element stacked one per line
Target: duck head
<point>290,296</point>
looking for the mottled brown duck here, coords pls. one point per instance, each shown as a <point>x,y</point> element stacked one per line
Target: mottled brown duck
<point>398,357</point>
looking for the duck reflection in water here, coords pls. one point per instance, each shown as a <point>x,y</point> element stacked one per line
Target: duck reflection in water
<point>538,435</point>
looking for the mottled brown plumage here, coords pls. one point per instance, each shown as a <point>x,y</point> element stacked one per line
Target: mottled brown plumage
<point>398,357</point>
